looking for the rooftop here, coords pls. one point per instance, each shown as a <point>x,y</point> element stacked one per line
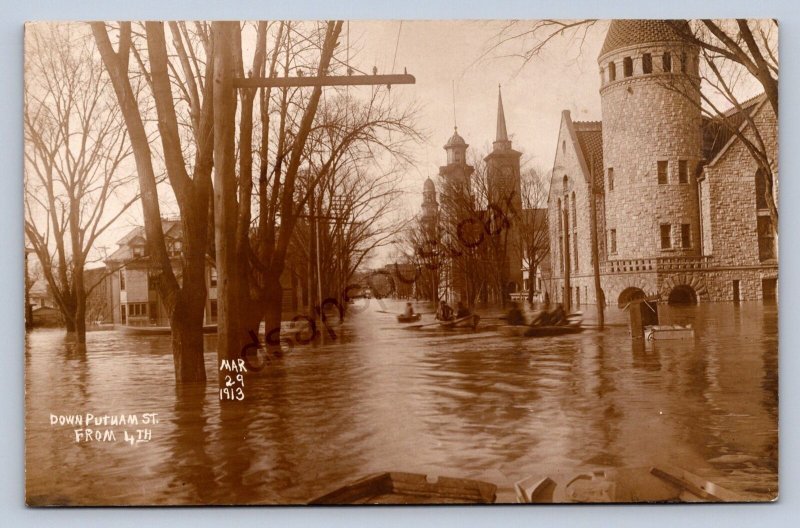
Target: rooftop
<point>630,32</point>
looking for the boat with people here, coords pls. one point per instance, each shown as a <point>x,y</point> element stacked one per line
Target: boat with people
<point>540,331</point>
<point>659,483</point>
<point>413,318</point>
<point>546,323</point>
<point>468,321</point>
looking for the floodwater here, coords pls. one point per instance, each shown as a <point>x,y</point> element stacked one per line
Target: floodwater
<point>382,397</point>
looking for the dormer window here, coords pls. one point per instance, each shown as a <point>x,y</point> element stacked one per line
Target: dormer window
<point>647,63</point>
<point>666,62</point>
<point>138,251</point>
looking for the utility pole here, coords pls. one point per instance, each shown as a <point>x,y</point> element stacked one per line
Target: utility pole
<point>598,290</point>
<point>567,300</point>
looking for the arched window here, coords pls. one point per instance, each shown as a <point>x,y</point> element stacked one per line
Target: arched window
<point>612,72</point>
<point>762,179</point>
<point>627,66</point>
<point>566,184</point>
<point>572,212</point>
<point>560,238</point>
<point>574,233</point>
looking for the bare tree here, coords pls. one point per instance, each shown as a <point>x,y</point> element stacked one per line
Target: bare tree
<point>184,300</point>
<point>76,184</point>
<point>534,234</point>
<point>734,53</point>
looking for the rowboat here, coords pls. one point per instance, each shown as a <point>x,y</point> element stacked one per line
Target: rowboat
<point>538,331</point>
<point>667,332</point>
<point>410,488</point>
<point>402,318</point>
<point>469,321</point>
<point>639,484</point>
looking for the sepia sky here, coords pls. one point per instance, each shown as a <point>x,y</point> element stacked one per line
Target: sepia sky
<point>449,58</point>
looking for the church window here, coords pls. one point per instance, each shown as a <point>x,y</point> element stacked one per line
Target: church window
<point>766,239</point>
<point>564,146</point>
<point>575,251</point>
<point>762,179</point>
<point>684,63</point>
<point>647,63</point>
<point>666,62</point>
<point>574,215</point>
<point>683,171</point>
<point>611,178</point>
<point>566,184</point>
<point>612,241</point>
<point>666,236</point>
<point>686,236</point>
<point>612,72</point>
<point>662,172</point>
<point>627,66</point>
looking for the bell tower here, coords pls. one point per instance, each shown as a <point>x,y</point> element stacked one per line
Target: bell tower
<point>505,195</point>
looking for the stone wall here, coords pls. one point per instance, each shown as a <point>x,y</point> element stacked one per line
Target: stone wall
<point>730,188</point>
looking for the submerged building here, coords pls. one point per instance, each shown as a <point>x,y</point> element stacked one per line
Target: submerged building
<point>134,297</point>
<point>680,209</point>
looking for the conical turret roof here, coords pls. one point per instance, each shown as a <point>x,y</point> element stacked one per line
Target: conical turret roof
<point>631,32</point>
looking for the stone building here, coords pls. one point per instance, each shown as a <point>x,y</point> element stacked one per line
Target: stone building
<point>679,208</point>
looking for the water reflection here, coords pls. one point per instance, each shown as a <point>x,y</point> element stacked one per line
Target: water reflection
<point>380,397</point>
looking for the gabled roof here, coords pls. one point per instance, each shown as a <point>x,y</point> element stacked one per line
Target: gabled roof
<point>590,140</point>
<point>718,136</point>
<point>586,137</point>
<point>167,225</point>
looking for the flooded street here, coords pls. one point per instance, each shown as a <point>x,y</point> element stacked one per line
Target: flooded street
<point>384,397</point>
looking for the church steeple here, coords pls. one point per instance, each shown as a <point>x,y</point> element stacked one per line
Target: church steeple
<point>501,141</point>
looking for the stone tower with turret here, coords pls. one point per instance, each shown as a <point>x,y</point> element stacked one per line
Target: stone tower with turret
<point>504,194</point>
<point>652,140</point>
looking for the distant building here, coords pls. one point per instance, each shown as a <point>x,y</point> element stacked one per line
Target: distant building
<point>503,189</point>
<point>680,206</point>
<point>133,295</point>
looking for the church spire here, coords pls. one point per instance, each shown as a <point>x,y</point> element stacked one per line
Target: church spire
<point>501,141</point>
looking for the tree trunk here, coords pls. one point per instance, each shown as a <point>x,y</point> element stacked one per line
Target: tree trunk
<point>187,342</point>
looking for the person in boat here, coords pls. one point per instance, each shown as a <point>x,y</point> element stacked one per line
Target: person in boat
<point>555,317</point>
<point>409,311</point>
<point>445,312</point>
<point>462,311</point>
<point>515,316</point>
